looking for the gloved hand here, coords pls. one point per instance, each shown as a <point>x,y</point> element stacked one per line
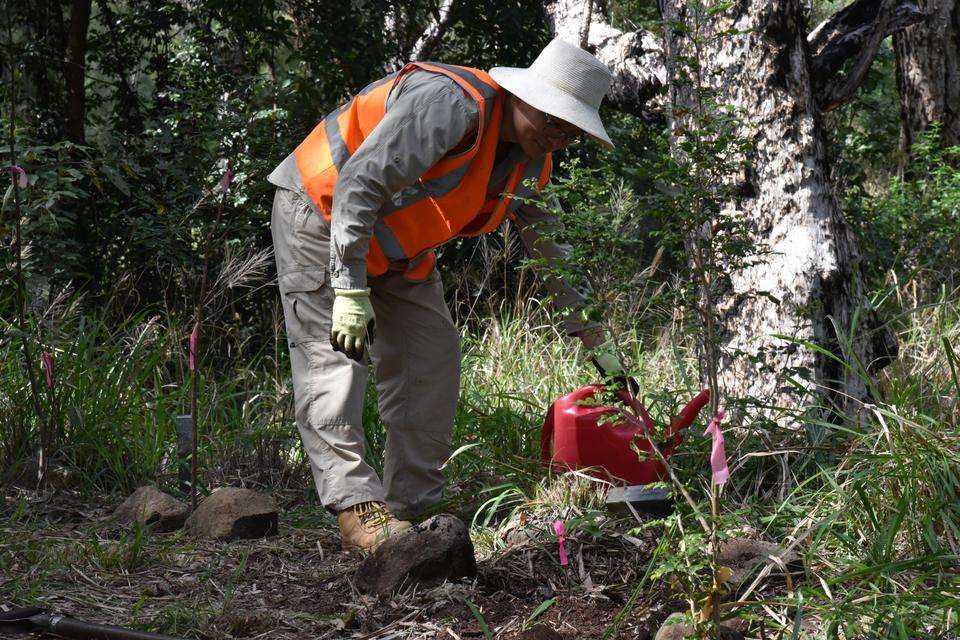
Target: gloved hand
<point>610,367</point>
<point>353,320</point>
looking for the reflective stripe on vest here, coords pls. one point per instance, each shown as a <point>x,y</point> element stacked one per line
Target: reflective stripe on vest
<point>450,198</point>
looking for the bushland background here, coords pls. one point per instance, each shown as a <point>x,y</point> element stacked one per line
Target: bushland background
<point>146,130</point>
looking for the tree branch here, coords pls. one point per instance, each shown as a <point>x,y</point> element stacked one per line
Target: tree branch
<point>431,37</point>
<point>855,31</point>
<point>74,69</point>
<point>443,17</point>
<point>585,32</point>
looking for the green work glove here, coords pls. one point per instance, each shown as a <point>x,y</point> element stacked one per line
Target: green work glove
<point>607,363</point>
<point>352,320</point>
<point>610,367</point>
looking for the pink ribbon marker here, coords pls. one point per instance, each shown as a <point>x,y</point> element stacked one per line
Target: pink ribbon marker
<point>47,358</point>
<point>194,335</point>
<point>561,531</point>
<point>21,176</point>
<point>718,455</point>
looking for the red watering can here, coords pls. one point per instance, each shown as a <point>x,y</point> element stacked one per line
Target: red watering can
<point>583,434</point>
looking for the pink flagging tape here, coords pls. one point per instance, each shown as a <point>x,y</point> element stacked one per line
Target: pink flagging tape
<point>194,336</point>
<point>561,532</point>
<point>718,455</point>
<point>47,358</point>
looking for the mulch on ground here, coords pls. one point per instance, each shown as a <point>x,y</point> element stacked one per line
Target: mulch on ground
<point>62,553</point>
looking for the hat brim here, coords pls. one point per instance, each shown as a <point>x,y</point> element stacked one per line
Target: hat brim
<point>547,98</point>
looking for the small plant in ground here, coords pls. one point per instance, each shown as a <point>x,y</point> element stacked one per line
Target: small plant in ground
<point>691,193</point>
<point>484,627</point>
<point>127,554</point>
<point>27,328</point>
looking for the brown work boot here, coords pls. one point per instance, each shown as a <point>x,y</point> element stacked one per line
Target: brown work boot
<point>364,526</point>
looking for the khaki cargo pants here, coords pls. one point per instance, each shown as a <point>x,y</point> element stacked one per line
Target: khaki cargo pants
<point>416,363</point>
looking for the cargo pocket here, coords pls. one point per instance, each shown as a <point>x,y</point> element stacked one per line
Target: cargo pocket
<point>307,305</point>
<point>309,235</point>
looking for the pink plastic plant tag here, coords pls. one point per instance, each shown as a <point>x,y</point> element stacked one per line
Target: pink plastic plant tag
<point>194,335</point>
<point>718,455</point>
<point>47,358</point>
<point>561,531</point>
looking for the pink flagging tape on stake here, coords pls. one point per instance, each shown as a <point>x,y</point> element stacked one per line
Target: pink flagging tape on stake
<point>194,335</point>
<point>21,176</point>
<point>47,358</point>
<point>561,532</point>
<point>718,455</point>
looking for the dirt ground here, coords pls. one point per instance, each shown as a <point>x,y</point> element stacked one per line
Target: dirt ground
<point>63,554</point>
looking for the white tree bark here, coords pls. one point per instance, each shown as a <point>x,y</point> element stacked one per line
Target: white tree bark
<point>808,284</point>
<point>424,45</point>
<point>434,33</point>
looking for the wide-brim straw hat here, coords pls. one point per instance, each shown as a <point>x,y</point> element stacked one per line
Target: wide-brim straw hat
<point>564,81</point>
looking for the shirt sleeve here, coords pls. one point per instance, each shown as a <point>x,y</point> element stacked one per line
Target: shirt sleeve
<point>427,116</point>
<point>537,231</point>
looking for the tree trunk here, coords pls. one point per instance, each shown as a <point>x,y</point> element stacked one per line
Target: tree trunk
<point>928,73</point>
<point>73,70</point>
<point>116,61</point>
<point>790,317</point>
<point>807,285</point>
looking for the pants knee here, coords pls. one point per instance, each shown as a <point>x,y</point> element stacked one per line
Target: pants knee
<point>446,360</point>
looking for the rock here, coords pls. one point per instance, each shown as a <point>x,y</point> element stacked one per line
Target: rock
<point>676,628</point>
<point>153,509</point>
<point>430,552</point>
<point>540,632</point>
<point>746,557</point>
<point>230,513</point>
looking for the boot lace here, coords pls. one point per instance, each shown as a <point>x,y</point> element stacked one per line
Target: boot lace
<point>373,514</point>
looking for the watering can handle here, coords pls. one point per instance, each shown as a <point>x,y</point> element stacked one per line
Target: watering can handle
<point>546,435</point>
<point>634,403</point>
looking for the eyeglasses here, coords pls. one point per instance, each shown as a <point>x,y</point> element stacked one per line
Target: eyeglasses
<point>554,128</point>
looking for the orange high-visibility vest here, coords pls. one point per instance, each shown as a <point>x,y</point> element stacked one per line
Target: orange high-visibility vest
<point>448,201</point>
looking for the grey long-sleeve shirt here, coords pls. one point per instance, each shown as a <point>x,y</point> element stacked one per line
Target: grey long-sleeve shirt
<point>427,116</point>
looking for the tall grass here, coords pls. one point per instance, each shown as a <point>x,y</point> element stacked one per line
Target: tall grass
<point>117,388</point>
<point>872,505</point>
<point>515,365</point>
<point>886,548</point>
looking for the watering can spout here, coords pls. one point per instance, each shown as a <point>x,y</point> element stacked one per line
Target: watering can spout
<point>686,417</point>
